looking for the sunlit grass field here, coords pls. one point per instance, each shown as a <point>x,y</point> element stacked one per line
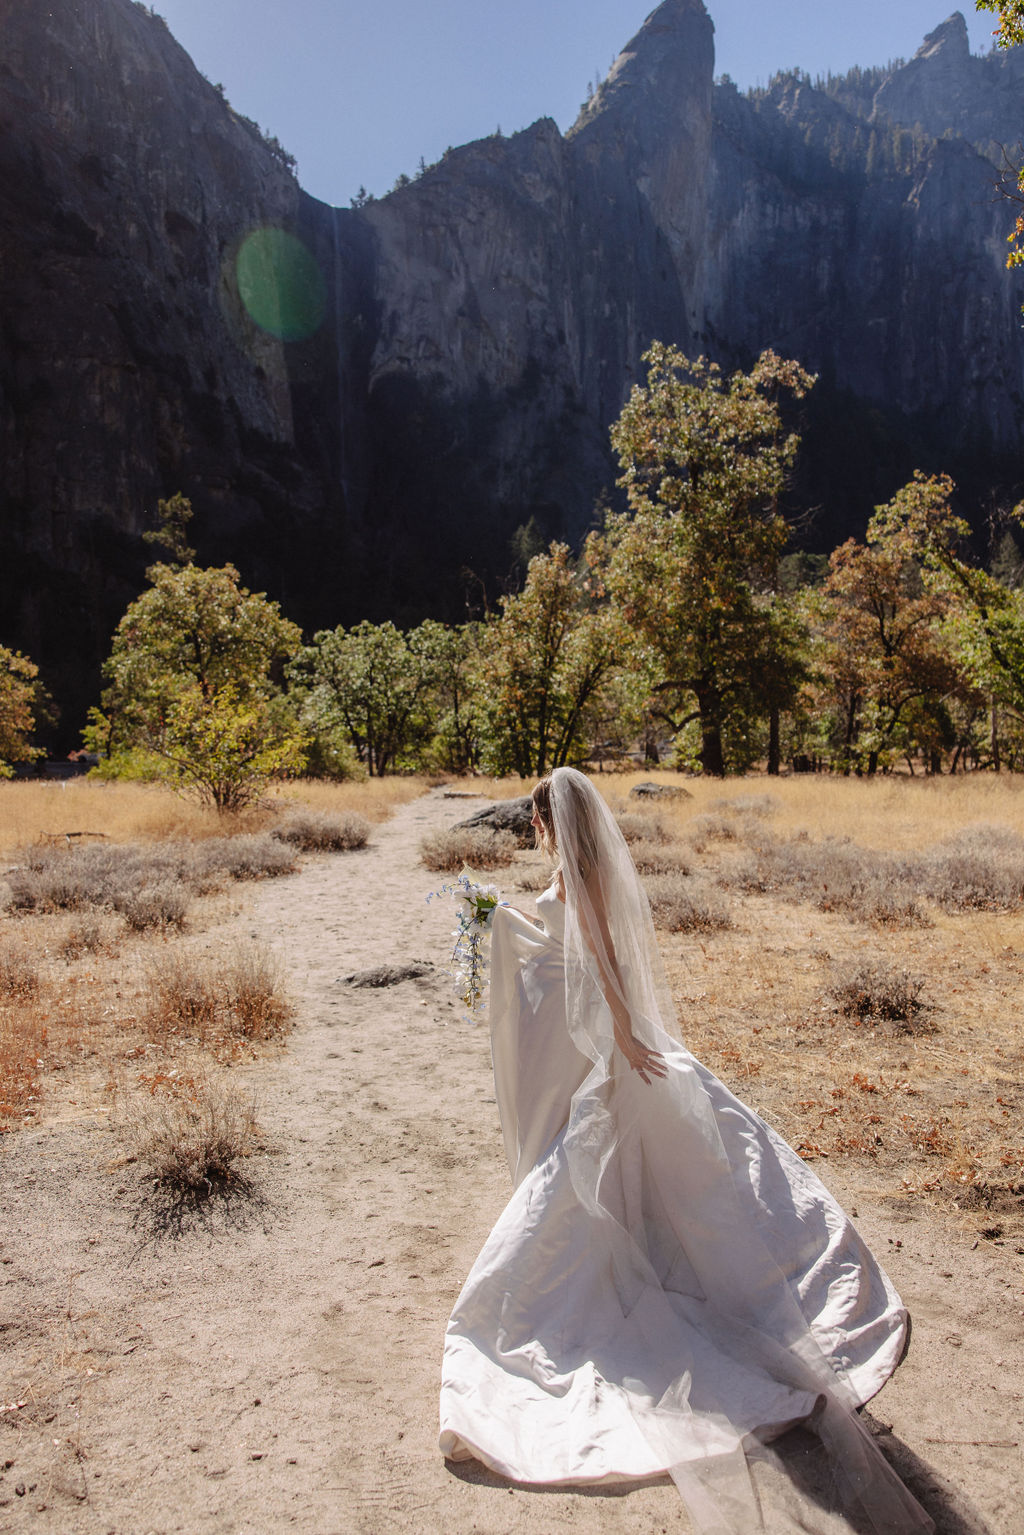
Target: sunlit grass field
<point>770,895</point>
<point>85,808</point>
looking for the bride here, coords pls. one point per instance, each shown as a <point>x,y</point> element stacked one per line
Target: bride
<point>670,1286</point>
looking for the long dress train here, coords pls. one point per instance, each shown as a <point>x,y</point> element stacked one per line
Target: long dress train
<point>664,1299</point>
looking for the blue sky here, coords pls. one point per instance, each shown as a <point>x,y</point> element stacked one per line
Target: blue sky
<point>359,92</point>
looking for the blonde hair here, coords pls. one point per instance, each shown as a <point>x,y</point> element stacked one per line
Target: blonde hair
<point>572,789</point>
<point>541,797</point>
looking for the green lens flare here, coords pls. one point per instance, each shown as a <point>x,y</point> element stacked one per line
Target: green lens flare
<point>281,284</point>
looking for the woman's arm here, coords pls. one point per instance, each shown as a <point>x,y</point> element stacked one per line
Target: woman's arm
<point>642,1059</point>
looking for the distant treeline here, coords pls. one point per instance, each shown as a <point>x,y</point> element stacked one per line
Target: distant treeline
<point>683,630</point>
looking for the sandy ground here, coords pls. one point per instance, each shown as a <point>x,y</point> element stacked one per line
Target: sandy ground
<point>272,1362</point>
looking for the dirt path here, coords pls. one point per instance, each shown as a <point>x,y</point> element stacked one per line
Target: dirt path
<point>275,1365</point>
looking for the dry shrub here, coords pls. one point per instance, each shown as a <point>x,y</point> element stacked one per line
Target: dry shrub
<point>253,995</point>
<point>214,1002</point>
<point>317,831</point>
<point>159,906</point>
<point>978,869</point>
<point>19,978</point>
<point>680,905</point>
<point>447,851</point>
<point>190,1132</point>
<point>892,907</point>
<point>760,806</point>
<point>641,826</point>
<point>85,937</point>
<point>834,875</point>
<point>704,830</point>
<point>533,881</point>
<point>253,855</point>
<point>115,876</point>
<point>877,990</point>
<point>185,993</point>
<point>656,858</point>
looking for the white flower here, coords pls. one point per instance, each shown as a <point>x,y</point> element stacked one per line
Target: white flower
<point>475,907</point>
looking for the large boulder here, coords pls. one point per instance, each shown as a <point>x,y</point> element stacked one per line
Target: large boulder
<point>651,791</point>
<point>506,815</point>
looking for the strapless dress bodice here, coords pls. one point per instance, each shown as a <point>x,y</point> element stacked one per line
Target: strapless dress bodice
<point>551,912</point>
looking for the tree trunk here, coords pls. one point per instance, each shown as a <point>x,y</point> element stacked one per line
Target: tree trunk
<point>995,736</point>
<point>774,753</point>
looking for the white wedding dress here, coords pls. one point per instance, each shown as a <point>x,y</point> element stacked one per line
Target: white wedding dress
<point>662,1298</point>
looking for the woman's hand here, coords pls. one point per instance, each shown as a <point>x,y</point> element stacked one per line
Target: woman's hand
<point>647,1063</point>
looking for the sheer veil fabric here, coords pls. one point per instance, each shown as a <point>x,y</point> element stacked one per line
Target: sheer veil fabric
<point>670,1286</point>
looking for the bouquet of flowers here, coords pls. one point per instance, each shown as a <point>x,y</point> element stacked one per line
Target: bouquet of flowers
<point>475,907</point>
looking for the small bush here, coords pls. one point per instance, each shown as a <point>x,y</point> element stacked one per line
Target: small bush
<point>252,995</point>
<point>681,905</point>
<point>876,990</point>
<point>533,881</point>
<point>979,869</point>
<point>81,938</point>
<point>159,906</point>
<point>198,997</point>
<point>254,855</point>
<point>641,826</point>
<point>19,978</point>
<point>893,907</point>
<point>447,851</point>
<point>184,995</point>
<point>657,858</point>
<point>760,806</point>
<point>191,1136</point>
<point>51,878</point>
<point>706,829</point>
<point>317,831</point>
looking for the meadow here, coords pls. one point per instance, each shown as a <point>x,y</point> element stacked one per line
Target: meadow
<point>846,953</point>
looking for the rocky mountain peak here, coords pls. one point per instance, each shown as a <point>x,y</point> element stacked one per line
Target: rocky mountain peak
<point>946,89</point>
<point>948,43</point>
<point>674,45</point>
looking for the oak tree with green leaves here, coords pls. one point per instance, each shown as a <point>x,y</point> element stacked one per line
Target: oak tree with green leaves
<point>1010,15</point>
<point>545,661</point>
<point>194,690</point>
<point>371,686</point>
<point>888,673</point>
<point>22,698</point>
<point>985,622</point>
<point>692,564</point>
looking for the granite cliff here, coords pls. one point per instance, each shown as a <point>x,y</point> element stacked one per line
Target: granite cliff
<point>468,339</point>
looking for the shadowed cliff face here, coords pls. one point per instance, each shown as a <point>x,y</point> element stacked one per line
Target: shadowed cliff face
<point>128,367</point>
<point>518,283</point>
<point>469,339</point>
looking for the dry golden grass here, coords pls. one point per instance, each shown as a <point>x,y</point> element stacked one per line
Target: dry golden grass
<point>894,813</point>
<point>124,812</point>
<point>374,798</point>
<point>22,1045</point>
<point>218,1004</point>
<point>121,812</point>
